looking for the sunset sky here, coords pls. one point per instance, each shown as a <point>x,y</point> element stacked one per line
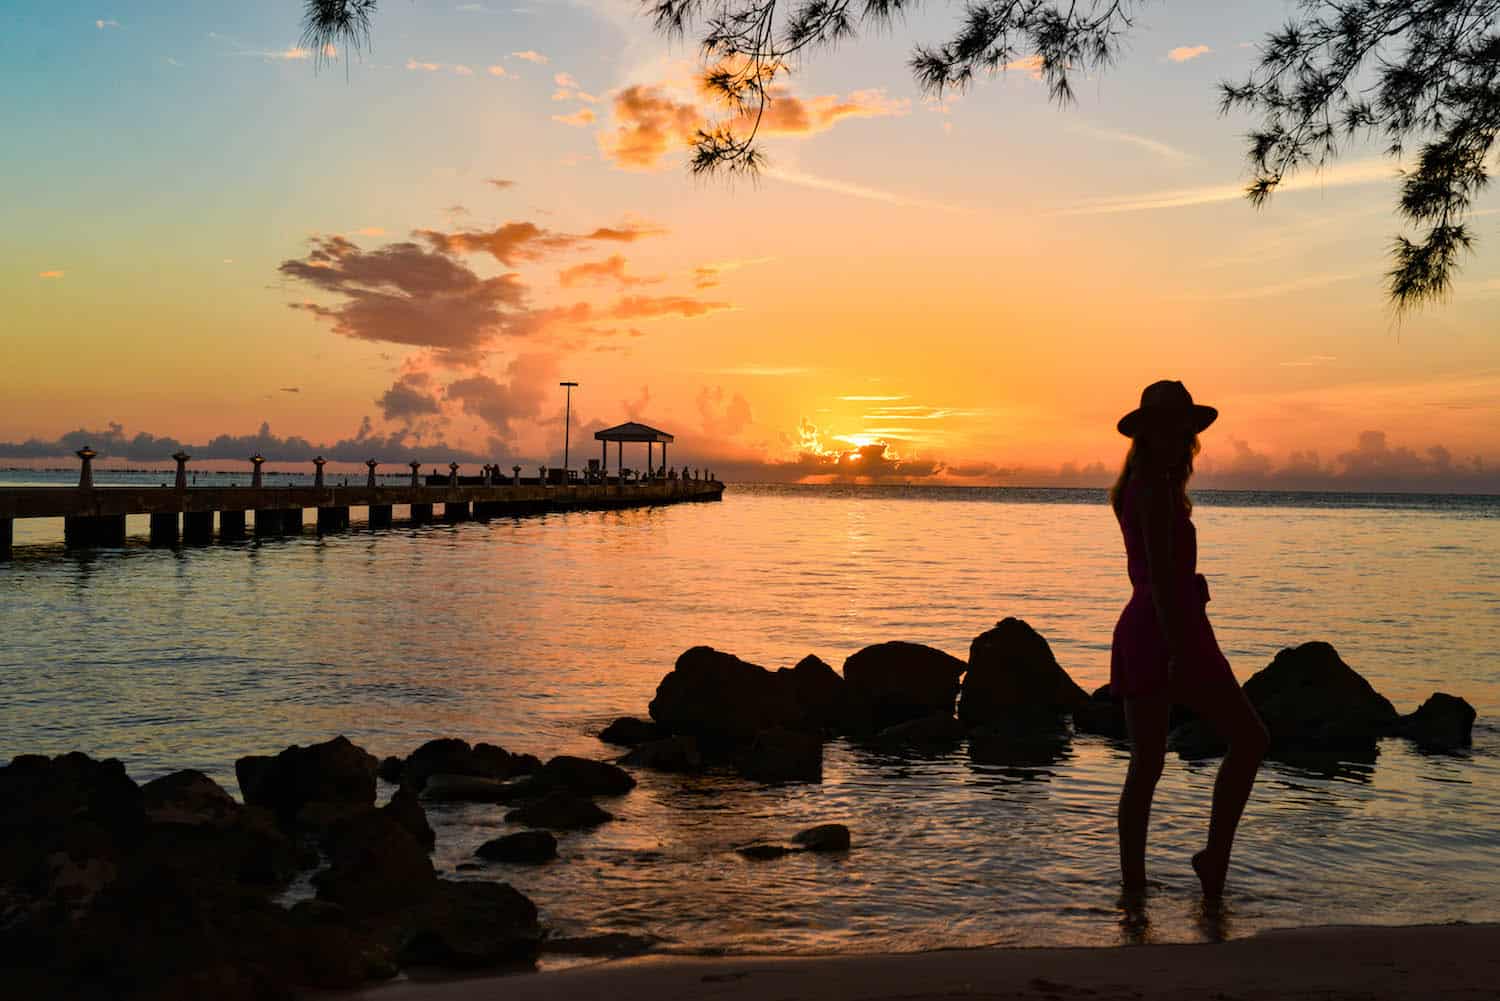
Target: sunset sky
<point>406,253</point>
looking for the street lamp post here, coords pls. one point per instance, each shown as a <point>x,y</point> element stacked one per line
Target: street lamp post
<point>567,425</point>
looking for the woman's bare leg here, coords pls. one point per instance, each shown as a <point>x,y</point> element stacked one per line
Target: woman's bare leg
<point>1147,719</point>
<point>1230,712</point>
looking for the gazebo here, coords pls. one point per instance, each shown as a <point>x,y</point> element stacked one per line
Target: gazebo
<point>632,431</point>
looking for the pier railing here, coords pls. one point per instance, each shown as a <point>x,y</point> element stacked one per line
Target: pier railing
<point>95,515</point>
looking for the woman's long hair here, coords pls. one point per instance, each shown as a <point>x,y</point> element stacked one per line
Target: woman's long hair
<point>1178,472</point>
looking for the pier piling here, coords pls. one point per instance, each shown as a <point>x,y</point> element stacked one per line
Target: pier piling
<point>421,514</point>
<point>454,511</point>
<point>84,531</point>
<point>332,519</point>
<point>231,526</point>
<point>7,536</point>
<point>197,527</point>
<point>381,515</point>
<point>164,528</point>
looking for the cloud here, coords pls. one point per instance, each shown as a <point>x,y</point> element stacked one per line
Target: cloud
<point>765,371</point>
<point>407,398</point>
<point>722,419</point>
<point>648,307</point>
<point>1354,172</point>
<point>1184,53</point>
<point>635,408</point>
<point>103,23</point>
<point>413,64</point>
<point>1160,149</point>
<point>500,182</point>
<point>291,389</point>
<point>502,405</point>
<point>612,268</point>
<point>499,71</point>
<point>399,446</point>
<point>405,294</point>
<point>565,80</point>
<point>806,180</point>
<point>649,121</point>
<point>581,118</point>
<point>512,242</point>
<point>54,273</point>
<point>708,275</point>
<point>462,70</point>
<point>1030,65</point>
<point>532,57</point>
<point>371,231</point>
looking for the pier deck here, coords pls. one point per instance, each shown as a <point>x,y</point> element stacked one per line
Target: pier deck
<point>95,516</point>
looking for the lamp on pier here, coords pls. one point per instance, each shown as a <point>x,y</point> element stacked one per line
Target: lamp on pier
<point>415,467</point>
<point>319,462</point>
<point>258,460</point>
<point>372,463</point>
<point>86,474</point>
<point>181,458</point>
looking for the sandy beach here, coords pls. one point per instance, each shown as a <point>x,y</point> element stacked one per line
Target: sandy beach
<point>1450,962</point>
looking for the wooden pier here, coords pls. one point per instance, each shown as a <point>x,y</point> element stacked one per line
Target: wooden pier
<point>95,516</point>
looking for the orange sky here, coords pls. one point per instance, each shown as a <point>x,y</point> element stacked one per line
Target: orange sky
<point>215,237</point>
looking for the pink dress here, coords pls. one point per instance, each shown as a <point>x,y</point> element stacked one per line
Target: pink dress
<point>1138,656</point>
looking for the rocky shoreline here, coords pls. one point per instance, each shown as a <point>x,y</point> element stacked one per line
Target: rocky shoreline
<point>172,889</point>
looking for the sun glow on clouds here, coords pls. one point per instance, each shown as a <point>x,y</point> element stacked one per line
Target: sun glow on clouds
<point>1186,53</point>
<point>50,274</point>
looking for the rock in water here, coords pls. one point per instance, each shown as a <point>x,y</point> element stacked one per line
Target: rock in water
<point>928,730</point>
<point>761,852</point>
<point>1311,700</point>
<point>719,698</point>
<point>390,769</point>
<point>444,788</point>
<point>627,731</point>
<point>560,810</point>
<point>672,754</point>
<point>1012,672</point>
<point>818,693</point>
<point>376,866</point>
<point>188,797</point>
<point>1101,715</point>
<point>406,809</point>
<point>890,683</point>
<point>1442,723</point>
<point>783,756</point>
<point>584,776</point>
<point>468,925</point>
<point>336,771</point>
<point>531,847</point>
<point>823,838</point>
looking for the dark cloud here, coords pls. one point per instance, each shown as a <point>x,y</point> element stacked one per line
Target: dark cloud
<point>113,443</point>
<point>500,182</point>
<point>291,389</point>
<point>645,307</point>
<point>404,294</point>
<point>406,399</point>
<point>514,242</point>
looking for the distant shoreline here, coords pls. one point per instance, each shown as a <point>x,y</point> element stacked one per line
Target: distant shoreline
<point>1212,495</point>
<point>1457,962</point>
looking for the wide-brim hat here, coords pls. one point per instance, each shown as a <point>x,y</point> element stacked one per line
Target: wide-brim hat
<point>1166,403</point>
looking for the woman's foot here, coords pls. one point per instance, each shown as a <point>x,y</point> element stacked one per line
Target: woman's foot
<point>1211,874</point>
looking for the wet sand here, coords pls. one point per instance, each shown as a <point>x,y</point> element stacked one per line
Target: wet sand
<point>1429,962</point>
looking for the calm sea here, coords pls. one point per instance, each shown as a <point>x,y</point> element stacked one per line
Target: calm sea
<point>533,633</point>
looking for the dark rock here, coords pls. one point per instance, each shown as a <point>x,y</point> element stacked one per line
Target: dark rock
<point>377,866</point>
<point>406,809</point>
<point>890,683</point>
<point>188,797</point>
<point>560,810</point>
<point>1310,699</point>
<point>584,776</point>
<point>1016,744</point>
<point>1012,670</point>
<point>336,771</point>
<point>719,698</point>
<point>927,730</point>
<point>444,788</point>
<point>763,851</point>
<point>783,756</point>
<point>1442,723</point>
<point>818,693</point>
<point>671,754</point>
<point>823,838</point>
<point>627,731</point>
<point>332,951</point>
<point>469,925</point>
<point>391,768</point>
<point>524,764</point>
<point>523,846</point>
<point>494,762</point>
<point>445,755</point>
<point>1101,715</point>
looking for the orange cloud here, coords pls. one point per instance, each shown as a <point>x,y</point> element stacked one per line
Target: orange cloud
<point>647,307</point>
<point>578,119</point>
<point>612,268</point>
<point>1184,53</point>
<point>532,57</point>
<point>649,121</point>
<point>50,274</point>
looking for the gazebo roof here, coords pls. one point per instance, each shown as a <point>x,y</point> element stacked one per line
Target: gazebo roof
<point>632,431</point>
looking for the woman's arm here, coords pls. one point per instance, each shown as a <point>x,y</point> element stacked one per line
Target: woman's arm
<point>1156,525</point>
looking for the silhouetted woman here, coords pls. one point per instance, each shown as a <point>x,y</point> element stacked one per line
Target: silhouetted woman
<point>1164,649</point>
